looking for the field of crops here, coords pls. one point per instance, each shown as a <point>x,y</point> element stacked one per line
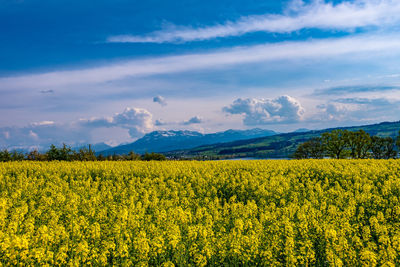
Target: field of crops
<point>311,212</point>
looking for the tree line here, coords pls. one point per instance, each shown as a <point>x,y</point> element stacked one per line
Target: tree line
<point>66,153</point>
<point>341,144</point>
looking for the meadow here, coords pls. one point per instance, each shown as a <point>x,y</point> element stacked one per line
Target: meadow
<point>270,213</point>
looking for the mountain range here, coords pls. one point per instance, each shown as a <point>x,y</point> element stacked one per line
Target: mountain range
<point>164,141</point>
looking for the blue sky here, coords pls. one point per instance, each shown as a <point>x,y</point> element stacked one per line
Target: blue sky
<point>111,71</point>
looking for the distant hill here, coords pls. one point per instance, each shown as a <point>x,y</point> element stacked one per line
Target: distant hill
<point>276,146</point>
<point>301,130</point>
<point>163,141</point>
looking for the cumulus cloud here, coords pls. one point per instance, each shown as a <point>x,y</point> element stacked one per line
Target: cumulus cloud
<point>336,111</point>
<point>137,120</point>
<point>346,16</point>
<point>193,120</point>
<point>160,100</point>
<point>358,109</point>
<point>284,109</point>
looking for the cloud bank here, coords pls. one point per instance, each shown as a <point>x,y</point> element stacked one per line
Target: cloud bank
<point>284,109</point>
<point>346,16</point>
<point>40,135</point>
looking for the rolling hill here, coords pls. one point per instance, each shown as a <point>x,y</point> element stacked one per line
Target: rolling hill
<point>276,146</point>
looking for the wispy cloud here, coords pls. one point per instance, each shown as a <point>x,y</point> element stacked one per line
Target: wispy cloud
<point>47,91</point>
<point>340,90</point>
<point>376,102</point>
<point>299,15</point>
<point>193,120</point>
<point>311,49</point>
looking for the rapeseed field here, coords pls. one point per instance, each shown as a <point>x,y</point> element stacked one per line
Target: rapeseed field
<point>269,213</point>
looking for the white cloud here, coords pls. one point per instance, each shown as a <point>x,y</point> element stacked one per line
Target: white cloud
<point>42,135</point>
<point>33,135</point>
<point>336,111</point>
<point>137,120</point>
<point>311,49</point>
<point>284,109</point>
<point>42,123</point>
<point>160,100</point>
<point>358,109</point>
<point>346,15</point>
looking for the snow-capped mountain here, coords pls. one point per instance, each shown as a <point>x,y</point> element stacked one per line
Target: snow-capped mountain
<point>163,141</point>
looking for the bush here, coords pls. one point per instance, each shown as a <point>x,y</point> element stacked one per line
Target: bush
<point>153,156</point>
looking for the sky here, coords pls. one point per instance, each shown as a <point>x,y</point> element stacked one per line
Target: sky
<point>81,72</point>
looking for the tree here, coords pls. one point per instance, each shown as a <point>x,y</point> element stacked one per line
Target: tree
<point>17,156</point>
<point>100,157</point>
<point>335,143</point>
<point>398,142</point>
<point>86,154</point>
<point>312,148</point>
<point>133,156</point>
<point>64,153</point>
<point>53,153</point>
<point>116,157</point>
<point>5,155</point>
<point>358,142</point>
<point>383,147</point>
<point>36,155</point>
<point>377,147</point>
<point>390,151</point>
